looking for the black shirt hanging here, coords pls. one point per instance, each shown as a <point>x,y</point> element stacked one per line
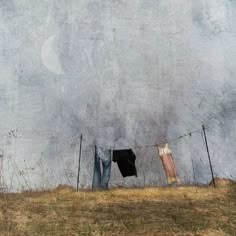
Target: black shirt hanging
<point>126,162</point>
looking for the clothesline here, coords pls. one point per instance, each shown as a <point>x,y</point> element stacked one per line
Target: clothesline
<point>137,146</point>
<point>152,145</point>
<point>125,159</point>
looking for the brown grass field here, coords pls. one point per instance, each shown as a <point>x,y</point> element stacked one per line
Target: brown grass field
<point>147,211</point>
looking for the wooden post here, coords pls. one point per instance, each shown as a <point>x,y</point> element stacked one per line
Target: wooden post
<point>80,154</point>
<point>209,158</point>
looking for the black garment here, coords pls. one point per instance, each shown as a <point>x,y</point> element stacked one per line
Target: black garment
<point>126,162</point>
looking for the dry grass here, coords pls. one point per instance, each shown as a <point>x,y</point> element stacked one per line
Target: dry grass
<point>148,211</point>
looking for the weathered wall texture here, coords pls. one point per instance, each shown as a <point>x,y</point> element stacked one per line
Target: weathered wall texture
<point>123,73</point>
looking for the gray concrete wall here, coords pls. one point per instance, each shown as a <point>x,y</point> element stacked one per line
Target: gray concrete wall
<point>123,73</point>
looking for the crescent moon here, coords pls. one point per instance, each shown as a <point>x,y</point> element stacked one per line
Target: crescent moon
<point>50,57</point>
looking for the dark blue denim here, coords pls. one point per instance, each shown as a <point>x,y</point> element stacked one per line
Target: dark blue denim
<point>101,176</point>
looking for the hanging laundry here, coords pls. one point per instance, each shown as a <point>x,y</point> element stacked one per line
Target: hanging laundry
<point>168,163</point>
<point>101,176</point>
<point>126,162</point>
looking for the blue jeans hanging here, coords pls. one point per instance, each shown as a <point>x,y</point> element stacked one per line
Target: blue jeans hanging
<point>101,176</point>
